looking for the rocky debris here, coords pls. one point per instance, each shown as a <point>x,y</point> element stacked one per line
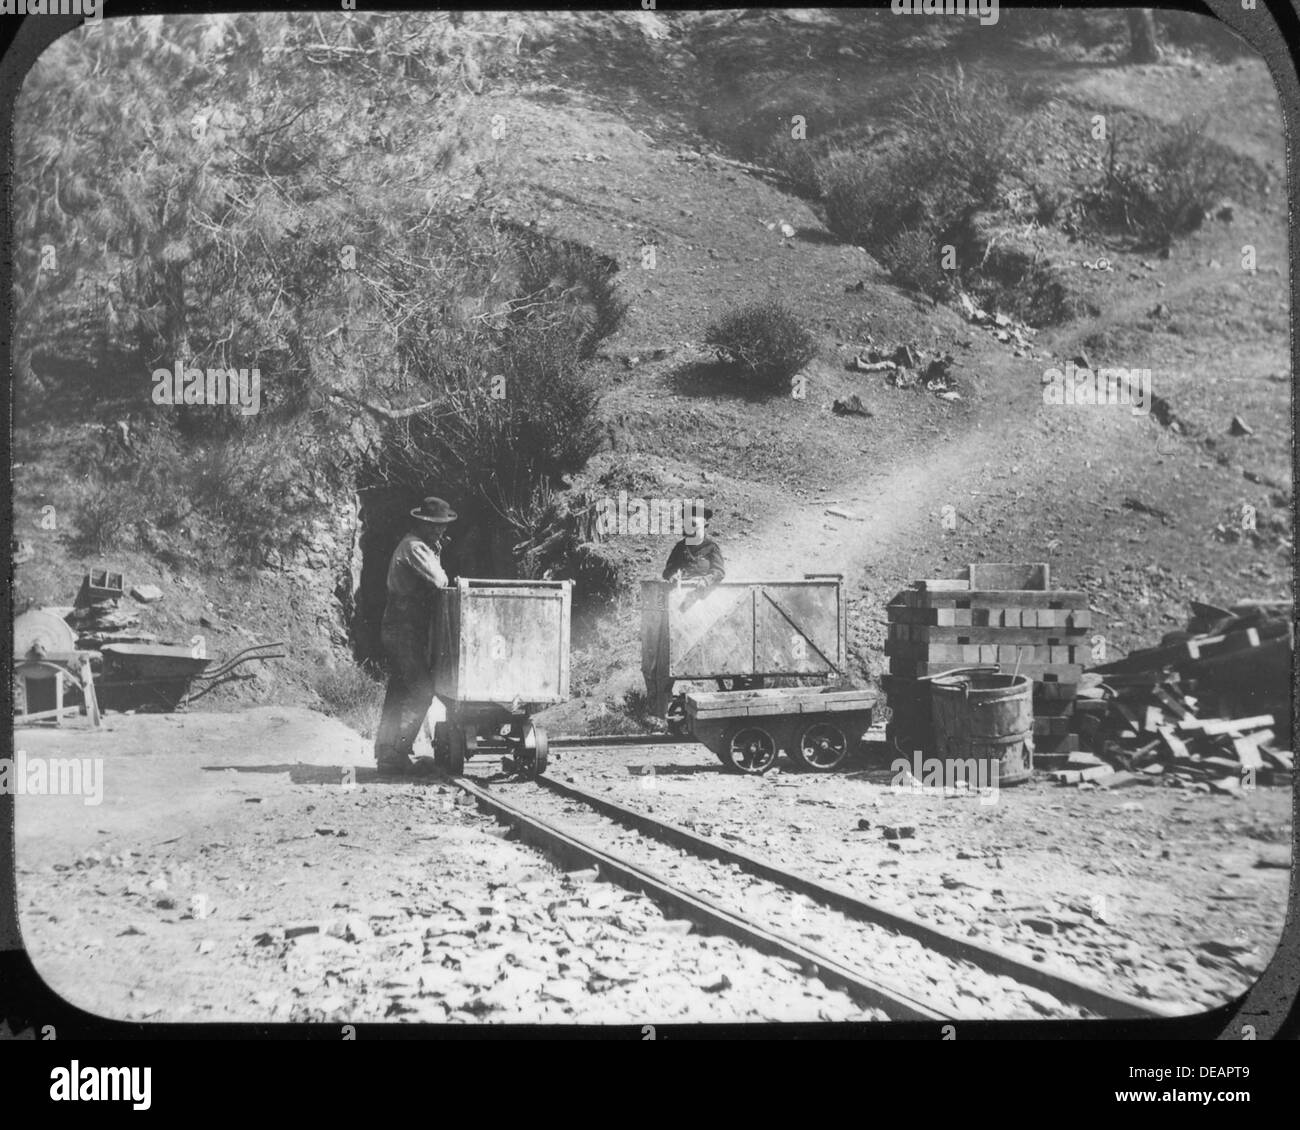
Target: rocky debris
<point>105,621</point>
<point>862,364</point>
<point>1000,326</point>
<point>1239,427</point>
<point>851,406</point>
<point>907,367</point>
<point>1140,507</point>
<point>1274,855</point>
<point>146,594</point>
<point>906,357</point>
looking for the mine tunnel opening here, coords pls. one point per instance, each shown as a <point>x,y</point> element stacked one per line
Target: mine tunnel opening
<point>476,547</point>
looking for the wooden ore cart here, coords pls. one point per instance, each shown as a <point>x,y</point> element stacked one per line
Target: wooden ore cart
<point>500,653</point>
<point>816,727</point>
<point>739,634</point>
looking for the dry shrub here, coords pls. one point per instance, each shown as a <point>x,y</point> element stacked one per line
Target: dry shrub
<point>764,342</point>
<point>1159,187</point>
<point>354,694</point>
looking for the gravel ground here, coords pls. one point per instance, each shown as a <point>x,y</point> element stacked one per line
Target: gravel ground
<point>1156,892</point>
<point>953,988</point>
<point>251,867</point>
<point>221,882</point>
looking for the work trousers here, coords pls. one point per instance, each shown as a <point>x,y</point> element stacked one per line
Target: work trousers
<point>410,690</point>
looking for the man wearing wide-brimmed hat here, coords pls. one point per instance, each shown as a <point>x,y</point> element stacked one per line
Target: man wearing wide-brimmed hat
<point>415,573</point>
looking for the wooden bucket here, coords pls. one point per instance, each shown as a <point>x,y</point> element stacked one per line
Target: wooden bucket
<point>987,719</point>
<point>911,726</point>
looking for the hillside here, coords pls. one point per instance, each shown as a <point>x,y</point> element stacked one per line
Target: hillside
<point>618,133</point>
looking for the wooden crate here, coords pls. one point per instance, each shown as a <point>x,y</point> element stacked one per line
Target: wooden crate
<point>785,627</point>
<point>498,641</point>
<point>1017,575</point>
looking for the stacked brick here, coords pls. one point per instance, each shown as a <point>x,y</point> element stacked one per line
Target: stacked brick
<point>980,620</point>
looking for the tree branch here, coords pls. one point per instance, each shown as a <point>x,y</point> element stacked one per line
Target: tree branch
<point>378,410</point>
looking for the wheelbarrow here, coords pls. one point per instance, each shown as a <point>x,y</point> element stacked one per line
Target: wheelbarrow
<point>165,676</point>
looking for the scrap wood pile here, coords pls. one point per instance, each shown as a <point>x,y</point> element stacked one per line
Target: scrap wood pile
<point>1209,708</point>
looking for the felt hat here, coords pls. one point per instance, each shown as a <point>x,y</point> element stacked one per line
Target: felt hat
<point>434,510</point>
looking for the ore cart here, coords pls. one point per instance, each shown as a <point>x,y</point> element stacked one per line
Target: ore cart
<point>817,727</point>
<point>737,634</point>
<point>500,653</point>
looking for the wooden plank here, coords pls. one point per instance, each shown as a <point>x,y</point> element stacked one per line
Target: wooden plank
<point>1172,702</point>
<point>1032,637</point>
<point>1025,654</point>
<point>1279,758</point>
<point>1010,575</point>
<point>937,617</point>
<point>1213,726</point>
<point>1172,742</point>
<point>1247,748</point>
<point>57,714</point>
<point>1075,776</point>
<point>1053,600</point>
<point>1246,607</point>
<point>1047,674</point>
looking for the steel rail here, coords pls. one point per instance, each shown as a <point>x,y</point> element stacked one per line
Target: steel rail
<point>1065,988</point>
<point>895,1001</point>
<point>580,741</point>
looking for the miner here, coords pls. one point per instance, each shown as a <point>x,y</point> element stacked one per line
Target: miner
<point>697,557</point>
<point>415,573</point>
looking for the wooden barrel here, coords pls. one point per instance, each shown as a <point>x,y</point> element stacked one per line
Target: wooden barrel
<point>987,719</point>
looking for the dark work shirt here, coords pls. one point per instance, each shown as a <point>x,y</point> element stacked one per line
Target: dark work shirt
<point>413,573</point>
<point>694,561</point>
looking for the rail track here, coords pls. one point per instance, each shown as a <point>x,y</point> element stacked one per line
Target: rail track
<point>903,967</point>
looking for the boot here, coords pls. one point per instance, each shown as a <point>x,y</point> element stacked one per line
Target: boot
<point>394,765</point>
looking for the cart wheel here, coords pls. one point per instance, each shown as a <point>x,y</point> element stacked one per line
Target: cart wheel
<point>822,747</point>
<point>750,750</point>
<point>532,755</point>
<point>452,761</point>
<point>678,724</point>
